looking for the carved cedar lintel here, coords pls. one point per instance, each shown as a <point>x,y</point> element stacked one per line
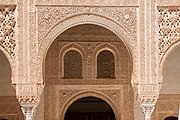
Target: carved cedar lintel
<point>7,29</point>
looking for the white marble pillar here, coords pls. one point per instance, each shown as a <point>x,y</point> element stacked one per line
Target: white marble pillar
<point>29,111</point>
<point>148,109</point>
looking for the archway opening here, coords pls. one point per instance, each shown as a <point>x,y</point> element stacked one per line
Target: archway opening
<point>171,118</point>
<point>9,105</point>
<point>89,108</point>
<point>168,101</point>
<point>73,62</point>
<point>171,76</point>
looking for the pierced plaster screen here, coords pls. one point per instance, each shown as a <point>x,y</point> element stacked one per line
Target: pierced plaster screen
<point>72,65</point>
<point>105,64</point>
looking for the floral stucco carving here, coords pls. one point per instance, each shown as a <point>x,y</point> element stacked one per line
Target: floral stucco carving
<point>7,29</point>
<point>52,21</point>
<point>48,17</point>
<point>169,27</point>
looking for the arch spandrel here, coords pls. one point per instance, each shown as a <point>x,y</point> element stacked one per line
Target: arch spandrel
<point>87,18</point>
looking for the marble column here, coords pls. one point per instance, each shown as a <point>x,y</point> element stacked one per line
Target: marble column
<point>29,111</point>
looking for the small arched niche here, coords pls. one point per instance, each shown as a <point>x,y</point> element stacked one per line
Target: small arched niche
<point>89,108</point>
<point>10,108</point>
<point>72,65</point>
<point>105,64</point>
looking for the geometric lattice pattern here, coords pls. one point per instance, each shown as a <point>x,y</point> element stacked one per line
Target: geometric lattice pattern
<point>169,27</point>
<point>105,64</point>
<point>7,25</point>
<point>72,65</point>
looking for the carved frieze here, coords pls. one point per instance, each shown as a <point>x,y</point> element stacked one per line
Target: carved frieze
<point>169,27</point>
<point>48,17</point>
<point>65,95</point>
<point>7,29</point>
<point>89,2</point>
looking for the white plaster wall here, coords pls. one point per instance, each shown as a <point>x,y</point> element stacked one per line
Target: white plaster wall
<point>171,73</point>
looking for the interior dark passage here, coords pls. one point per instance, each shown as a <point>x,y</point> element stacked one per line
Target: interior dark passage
<point>90,108</point>
<point>171,118</point>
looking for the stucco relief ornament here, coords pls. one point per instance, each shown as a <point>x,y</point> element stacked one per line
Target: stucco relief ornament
<point>169,27</point>
<point>7,26</point>
<point>147,98</point>
<point>147,103</point>
<point>29,97</point>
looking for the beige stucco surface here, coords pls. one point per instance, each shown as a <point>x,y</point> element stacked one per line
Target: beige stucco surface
<point>171,73</point>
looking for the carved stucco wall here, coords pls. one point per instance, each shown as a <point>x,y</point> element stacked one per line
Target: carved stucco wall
<point>88,40</point>
<point>26,27</point>
<point>59,22</point>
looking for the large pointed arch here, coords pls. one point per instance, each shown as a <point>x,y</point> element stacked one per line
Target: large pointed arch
<point>102,21</point>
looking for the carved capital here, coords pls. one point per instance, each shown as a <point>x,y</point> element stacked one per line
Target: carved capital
<point>147,97</point>
<point>28,110</point>
<point>29,99</point>
<point>148,109</point>
<point>29,93</point>
<point>147,103</point>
